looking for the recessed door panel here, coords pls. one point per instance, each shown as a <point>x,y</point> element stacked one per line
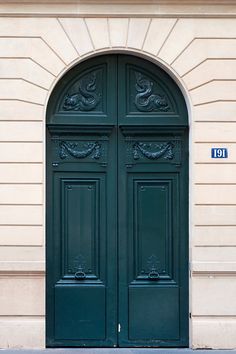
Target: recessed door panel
<point>153,247</point>
<point>153,314</point>
<point>152,228</point>
<point>82,220</point>
<point>80,312</point>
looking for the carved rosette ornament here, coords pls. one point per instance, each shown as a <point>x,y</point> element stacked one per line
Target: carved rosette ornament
<point>145,99</point>
<point>86,97</point>
<point>153,151</point>
<point>80,152</point>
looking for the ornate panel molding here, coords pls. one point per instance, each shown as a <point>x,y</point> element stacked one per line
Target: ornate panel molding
<point>80,152</point>
<point>69,149</point>
<point>81,227</point>
<point>153,151</point>
<point>147,150</point>
<point>153,258</point>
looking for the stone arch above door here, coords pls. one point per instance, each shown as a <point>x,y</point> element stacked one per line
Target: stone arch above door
<point>193,51</point>
<point>144,37</point>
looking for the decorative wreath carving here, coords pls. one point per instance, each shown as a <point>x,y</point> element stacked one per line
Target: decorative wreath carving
<point>153,151</point>
<point>73,149</point>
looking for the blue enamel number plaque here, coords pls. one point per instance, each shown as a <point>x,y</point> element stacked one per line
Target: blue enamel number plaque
<point>219,153</point>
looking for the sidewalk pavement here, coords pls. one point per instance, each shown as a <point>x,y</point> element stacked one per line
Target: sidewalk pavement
<point>116,351</point>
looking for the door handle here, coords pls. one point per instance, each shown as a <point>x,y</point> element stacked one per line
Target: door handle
<point>154,275</point>
<point>80,275</point>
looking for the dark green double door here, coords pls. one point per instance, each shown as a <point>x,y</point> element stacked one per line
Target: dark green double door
<point>117,207</point>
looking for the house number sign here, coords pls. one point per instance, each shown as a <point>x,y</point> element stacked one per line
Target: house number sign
<point>219,153</point>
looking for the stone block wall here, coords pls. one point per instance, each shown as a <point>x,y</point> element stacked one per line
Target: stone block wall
<point>200,54</point>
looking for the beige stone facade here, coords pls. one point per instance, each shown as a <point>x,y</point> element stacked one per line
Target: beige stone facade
<point>196,45</point>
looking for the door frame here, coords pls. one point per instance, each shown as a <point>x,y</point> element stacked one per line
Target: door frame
<point>179,82</point>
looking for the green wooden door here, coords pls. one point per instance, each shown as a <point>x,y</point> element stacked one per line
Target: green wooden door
<point>117,207</point>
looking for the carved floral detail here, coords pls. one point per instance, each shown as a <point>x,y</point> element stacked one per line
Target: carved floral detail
<point>145,99</point>
<point>152,266</point>
<point>86,98</point>
<point>152,262</point>
<point>153,151</point>
<point>73,149</point>
<point>78,263</point>
<point>78,267</point>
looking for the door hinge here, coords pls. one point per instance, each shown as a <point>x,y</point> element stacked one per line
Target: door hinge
<point>119,327</point>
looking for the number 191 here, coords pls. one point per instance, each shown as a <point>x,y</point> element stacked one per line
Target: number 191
<point>219,153</point>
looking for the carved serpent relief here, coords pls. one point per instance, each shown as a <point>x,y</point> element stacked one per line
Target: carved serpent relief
<point>86,98</point>
<point>75,150</point>
<point>145,99</point>
<point>153,151</point>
